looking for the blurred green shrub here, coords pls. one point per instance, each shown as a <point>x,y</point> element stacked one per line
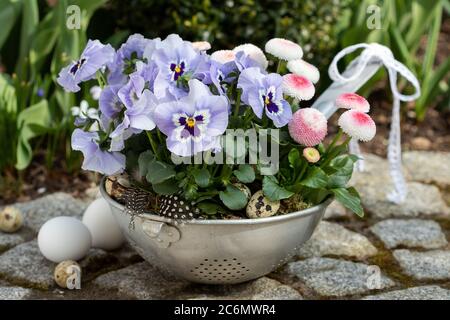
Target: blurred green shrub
<point>229,23</point>
<point>34,45</point>
<point>320,26</point>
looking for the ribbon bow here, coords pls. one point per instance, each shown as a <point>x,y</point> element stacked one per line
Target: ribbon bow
<point>376,53</point>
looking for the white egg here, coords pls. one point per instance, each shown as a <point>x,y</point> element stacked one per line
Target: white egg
<point>64,238</point>
<point>104,229</point>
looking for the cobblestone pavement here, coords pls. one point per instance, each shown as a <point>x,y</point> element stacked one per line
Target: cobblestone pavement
<point>395,252</point>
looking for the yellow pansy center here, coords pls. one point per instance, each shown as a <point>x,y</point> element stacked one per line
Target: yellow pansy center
<point>190,122</point>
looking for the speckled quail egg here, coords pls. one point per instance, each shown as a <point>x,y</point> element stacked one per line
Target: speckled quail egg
<point>67,270</point>
<point>244,189</point>
<point>260,206</point>
<point>10,219</point>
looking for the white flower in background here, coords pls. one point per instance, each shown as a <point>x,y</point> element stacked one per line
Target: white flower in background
<point>223,56</point>
<point>95,92</point>
<point>302,68</point>
<point>201,45</point>
<point>253,52</point>
<point>284,49</point>
<point>357,125</point>
<point>298,87</point>
<point>352,101</point>
<point>83,112</point>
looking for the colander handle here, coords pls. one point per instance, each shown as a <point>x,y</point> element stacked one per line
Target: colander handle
<point>162,233</point>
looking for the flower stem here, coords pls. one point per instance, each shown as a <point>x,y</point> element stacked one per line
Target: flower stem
<point>302,172</point>
<point>237,103</point>
<point>101,79</point>
<point>162,141</point>
<point>152,143</point>
<point>335,139</point>
<point>279,65</point>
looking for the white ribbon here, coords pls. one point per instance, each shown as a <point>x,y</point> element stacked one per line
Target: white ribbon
<point>377,53</point>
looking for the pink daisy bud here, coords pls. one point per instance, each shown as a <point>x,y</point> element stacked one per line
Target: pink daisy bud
<point>298,87</point>
<point>357,125</point>
<point>223,56</point>
<point>303,68</point>
<point>284,49</point>
<point>311,154</point>
<point>308,127</point>
<point>201,45</point>
<point>254,52</point>
<point>352,101</point>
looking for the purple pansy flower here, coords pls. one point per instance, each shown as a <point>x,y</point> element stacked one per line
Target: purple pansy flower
<point>264,92</point>
<point>139,105</point>
<point>195,122</point>
<point>177,58</point>
<point>219,73</point>
<point>110,105</point>
<point>96,159</point>
<point>135,45</point>
<point>148,71</point>
<point>94,57</point>
<point>109,102</point>
<point>244,61</point>
<point>130,93</point>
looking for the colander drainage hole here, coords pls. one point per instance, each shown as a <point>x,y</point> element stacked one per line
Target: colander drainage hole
<point>220,269</point>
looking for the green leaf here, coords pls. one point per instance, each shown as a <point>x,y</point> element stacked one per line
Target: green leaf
<point>296,163</point>
<point>350,199</point>
<point>32,122</point>
<point>273,191</point>
<point>430,87</point>
<point>8,122</point>
<point>245,173</point>
<point>30,21</point>
<point>402,47</point>
<point>158,172</point>
<point>315,178</point>
<point>421,10</point>
<point>202,177</point>
<point>167,187</point>
<point>432,41</point>
<point>9,11</point>
<point>233,198</point>
<point>209,208</point>
<point>344,170</point>
<point>145,158</point>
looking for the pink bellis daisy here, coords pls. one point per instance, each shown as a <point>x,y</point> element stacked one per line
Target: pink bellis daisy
<point>298,87</point>
<point>284,49</point>
<point>201,45</point>
<point>308,127</point>
<point>223,56</point>
<point>352,101</point>
<point>302,68</point>
<point>357,125</point>
<point>311,154</point>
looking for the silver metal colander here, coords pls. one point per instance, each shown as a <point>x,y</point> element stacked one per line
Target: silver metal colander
<point>232,251</point>
<point>218,251</point>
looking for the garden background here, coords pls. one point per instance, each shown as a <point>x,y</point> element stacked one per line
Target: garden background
<point>35,118</point>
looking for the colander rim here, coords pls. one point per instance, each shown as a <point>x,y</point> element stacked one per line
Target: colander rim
<point>293,215</point>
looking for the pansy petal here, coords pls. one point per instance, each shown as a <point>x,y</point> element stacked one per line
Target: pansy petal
<point>283,116</point>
